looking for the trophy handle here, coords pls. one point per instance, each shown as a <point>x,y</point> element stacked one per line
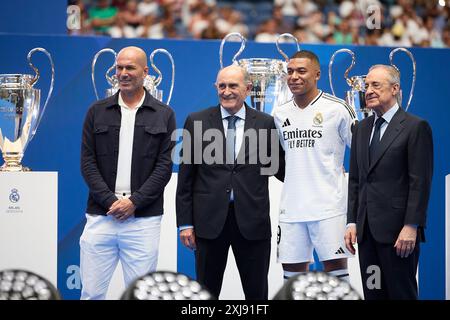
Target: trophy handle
<point>108,78</point>
<point>391,57</point>
<point>286,35</point>
<point>243,40</point>
<point>160,77</point>
<point>35,79</point>
<point>330,69</point>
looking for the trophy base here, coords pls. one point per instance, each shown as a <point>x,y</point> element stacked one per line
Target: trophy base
<point>15,168</point>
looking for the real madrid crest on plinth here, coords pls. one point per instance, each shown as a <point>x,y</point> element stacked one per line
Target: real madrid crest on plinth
<point>20,113</point>
<point>151,83</point>
<point>268,76</point>
<point>14,196</point>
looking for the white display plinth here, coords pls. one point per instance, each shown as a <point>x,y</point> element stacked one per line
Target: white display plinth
<point>28,222</point>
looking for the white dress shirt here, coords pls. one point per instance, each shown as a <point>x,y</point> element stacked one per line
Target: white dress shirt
<point>240,122</point>
<point>387,119</point>
<point>123,179</point>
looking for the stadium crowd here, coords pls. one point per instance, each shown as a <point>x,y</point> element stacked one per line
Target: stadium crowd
<point>422,23</point>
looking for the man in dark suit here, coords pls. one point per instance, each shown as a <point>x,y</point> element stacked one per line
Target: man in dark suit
<point>391,167</point>
<point>222,193</point>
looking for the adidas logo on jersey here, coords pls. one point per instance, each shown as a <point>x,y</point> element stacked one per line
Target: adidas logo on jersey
<point>286,123</point>
<point>340,251</point>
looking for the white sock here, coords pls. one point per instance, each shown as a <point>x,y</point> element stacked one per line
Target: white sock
<point>341,274</point>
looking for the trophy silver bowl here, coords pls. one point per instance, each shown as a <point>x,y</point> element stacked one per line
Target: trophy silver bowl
<point>20,113</point>
<point>151,83</point>
<point>268,76</point>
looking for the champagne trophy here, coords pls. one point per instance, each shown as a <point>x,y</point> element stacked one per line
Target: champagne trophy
<point>413,84</point>
<point>355,97</point>
<point>268,76</point>
<point>20,112</point>
<point>151,83</point>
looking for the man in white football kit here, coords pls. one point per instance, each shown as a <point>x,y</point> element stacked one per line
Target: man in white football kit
<point>314,128</point>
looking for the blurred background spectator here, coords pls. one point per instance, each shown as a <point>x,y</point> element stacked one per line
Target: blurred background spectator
<point>422,23</point>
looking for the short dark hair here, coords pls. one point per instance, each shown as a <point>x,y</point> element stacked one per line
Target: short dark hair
<point>306,54</point>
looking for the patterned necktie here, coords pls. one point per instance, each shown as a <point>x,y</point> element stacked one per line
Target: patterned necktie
<point>374,145</point>
<point>231,139</point>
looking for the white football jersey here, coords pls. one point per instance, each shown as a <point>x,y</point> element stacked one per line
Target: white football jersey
<point>314,140</point>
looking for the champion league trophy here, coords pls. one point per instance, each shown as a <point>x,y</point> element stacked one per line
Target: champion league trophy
<point>355,97</point>
<point>20,113</point>
<point>151,83</point>
<point>268,76</point>
<point>413,83</point>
